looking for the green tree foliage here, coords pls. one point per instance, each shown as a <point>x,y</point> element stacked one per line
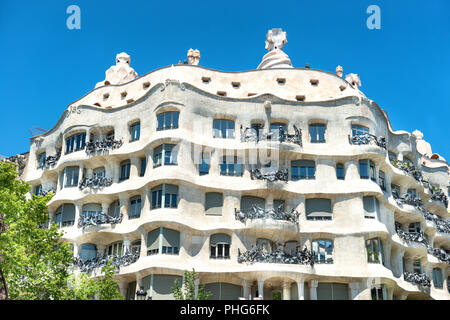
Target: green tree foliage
<point>35,262</point>
<point>189,288</point>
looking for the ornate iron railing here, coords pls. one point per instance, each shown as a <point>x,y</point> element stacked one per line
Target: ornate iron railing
<point>417,278</point>
<point>438,195</point>
<point>250,134</point>
<point>98,219</point>
<point>20,160</point>
<point>409,169</point>
<point>257,212</point>
<point>87,266</point>
<point>50,161</point>
<point>44,193</point>
<point>257,254</point>
<point>367,138</point>
<point>280,175</point>
<point>102,145</point>
<point>440,254</point>
<point>408,199</point>
<point>95,182</point>
<point>442,226</point>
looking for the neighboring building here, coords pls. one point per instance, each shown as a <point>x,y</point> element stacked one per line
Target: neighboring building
<point>276,182</point>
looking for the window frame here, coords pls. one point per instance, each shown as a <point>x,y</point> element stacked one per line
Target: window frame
<point>161,118</point>
<point>328,257</point>
<point>219,131</point>
<point>75,142</point>
<point>135,131</point>
<point>316,138</point>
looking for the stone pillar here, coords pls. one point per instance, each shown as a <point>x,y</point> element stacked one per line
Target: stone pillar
<point>123,201</point>
<point>105,207</point>
<point>101,250</point>
<point>354,286</point>
<point>143,252</point>
<point>123,288</point>
<point>89,172</point>
<point>139,283</point>
<point>116,170</point>
<point>351,169</point>
<point>261,289</point>
<point>145,198</point>
<point>246,287</point>
<point>77,211</point>
<point>387,247</point>
<point>75,249</point>
<point>149,161</point>
<point>134,170</point>
<point>196,283</point>
<point>286,291</point>
<point>390,293</point>
<point>126,245</point>
<point>313,289</point>
<point>301,290</point>
<point>80,173</point>
<point>269,201</point>
<point>401,252</point>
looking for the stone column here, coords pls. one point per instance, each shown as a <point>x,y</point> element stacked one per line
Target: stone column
<point>89,172</point>
<point>105,207</point>
<point>387,247</point>
<point>134,171</point>
<point>139,284</point>
<point>80,173</point>
<point>123,288</point>
<point>116,170</point>
<point>246,287</point>
<point>313,289</point>
<point>149,161</point>
<point>390,293</point>
<point>143,252</point>
<point>269,201</point>
<point>77,212</point>
<point>354,286</point>
<point>301,290</point>
<point>145,198</point>
<point>101,250</point>
<point>351,169</point>
<point>286,291</point>
<point>196,283</point>
<point>261,289</point>
<point>123,201</point>
<point>75,249</point>
<point>126,245</point>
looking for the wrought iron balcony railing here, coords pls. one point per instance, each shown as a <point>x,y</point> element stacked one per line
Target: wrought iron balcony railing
<point>95,182</point>
<point>409,199</point>
<point>280,175</point>
<point>98,219</point>
<point>442,226</point>
<point>250,134</point>
<point>102,145</point>
<point>257,212</point>
<point>418,237</point>
<point>87,266</point>
<point>409,169</point>
<point>417,278</point>
<point>438,195</point>
<point>51,161</point>
<point>441,254</point>
<point>367,138</point>
<point>257,254</point>
<point>44,193</point>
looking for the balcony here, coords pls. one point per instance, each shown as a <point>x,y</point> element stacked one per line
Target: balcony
<point>410,200</point>
<point>438,195</point>
<point>442,226</point>
<point>257,254</point>
<point>279,175</point>
<point>44,193</point>
<point>417,278</point>
<point>440,254</point>
<point>51,161</point>
<point>418,237</point>
<point>367,138</point>
<point>102,146</point>
<point>95,182</point>
<point>250,134</point>
<point>87,266</point>
<point>257,212</point>
<point>409,169</point>
<point>98,219</point>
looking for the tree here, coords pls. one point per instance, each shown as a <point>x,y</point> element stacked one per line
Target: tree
<point>101,288</point>
<point>189,288</point>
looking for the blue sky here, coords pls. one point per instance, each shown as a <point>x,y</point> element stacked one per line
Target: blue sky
<point>404,66</point>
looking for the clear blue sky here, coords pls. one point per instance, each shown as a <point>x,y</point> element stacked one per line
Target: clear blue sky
<point>404,66</point>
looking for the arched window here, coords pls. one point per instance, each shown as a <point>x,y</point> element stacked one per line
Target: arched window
<point>275,128</point>
<point>323,251</point>
<point>213,203</point>
<point>125,170</point>
<point>114,209</point>
<point>164,196</point>
<point>374,249</point>
<point>135,207</point>
<point>92,209</point>
<point>75,142</point>
<point>247,202</point>
<point>88,251</point>
<point>382,180</point>
<point>223,128</point>
<point>231,166</point>
<point>358,130</point>
<point>371,207</point>
<point>135,131</point>
<point>367,169</point>
<point>115,249</point>
<point>135,246</point>
<point>98,172</point>
<point>164,241</point>
<point>165,154</point>
<point>65,215</point>
<point>437,278</point>
<point>41,159</point>
<point>167,120</point>
<point>71,175</point>
<point>220,246</point>
<point>317,132</point>
<point>318,209</point>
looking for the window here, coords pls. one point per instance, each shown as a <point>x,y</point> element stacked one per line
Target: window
<point>41,159</point>
<point>143,165</point>
<point>302,169</point>
<point>379,293</point>
<point>279,205</point>
<point>382,180</point>
<point>340,171</point>
<point>415,227</point>
<point>367,169</point>
<point>412,193</point>
<point>223,129</point>
<point>275,128</point>
<point>135,208</point>
<point>220,246</point>
<point>265,245</point>
<point>374,250</point>
<point>135,131</point>
<point>291,248</point>
<point>88,251</point>
<point>75,142</point>
<point>417,266</point>
<point>166,194</point>
<point>65,215</point>
<point>92,210</point>
<point>437,278</point>
<point>392,155</point>
<point>203,167</point>
<point>317,133</point>
<point>322,251</point>
<point>167,120</point>
<point>71,174</point>
<point>38,190</point>
<point>358,130</point>
<point>165,154</point>
<point>135,246</point>
<point>114,209</point>
<point>230,166</point>
<point>247,203</point>
<point>115,249</point>
<point>164,241</point>
<point>99,172</point>
<point>213,203</point>
<point>395,190</point>
<point>318,209</point>
<point>125,170</point>
<point>371,207</point>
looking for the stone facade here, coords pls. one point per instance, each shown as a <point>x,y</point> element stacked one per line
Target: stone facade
<point>179,214</point>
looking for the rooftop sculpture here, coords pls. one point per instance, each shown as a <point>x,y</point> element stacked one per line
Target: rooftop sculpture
<point>275,58</point>
<point>120,73</point>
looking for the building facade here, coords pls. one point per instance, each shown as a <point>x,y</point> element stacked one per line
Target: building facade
<point>278,182</point>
